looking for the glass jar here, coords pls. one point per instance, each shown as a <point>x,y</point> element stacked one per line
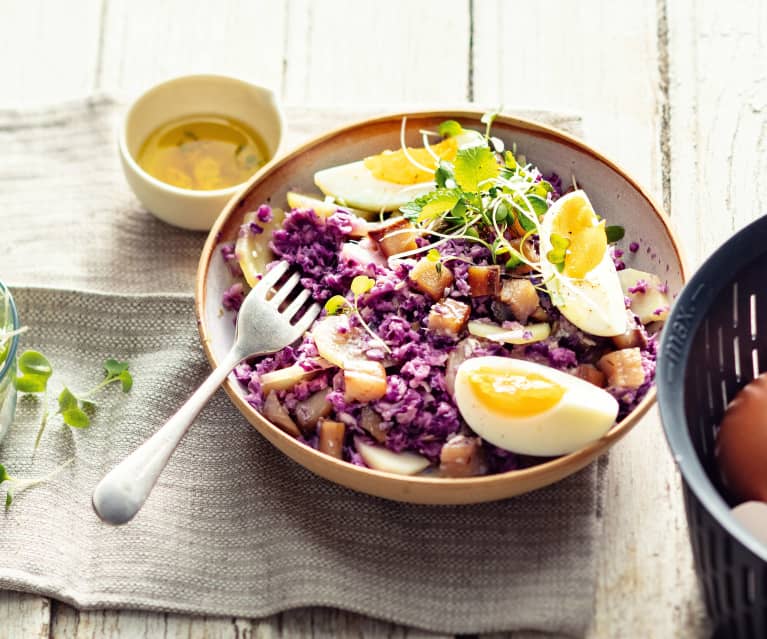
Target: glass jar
<point>9,324</point>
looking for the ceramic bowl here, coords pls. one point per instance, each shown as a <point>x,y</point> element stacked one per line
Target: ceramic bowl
<point>614,193</point>
<point>193,95</point>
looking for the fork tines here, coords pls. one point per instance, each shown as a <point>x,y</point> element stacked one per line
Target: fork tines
<point>278,286</point>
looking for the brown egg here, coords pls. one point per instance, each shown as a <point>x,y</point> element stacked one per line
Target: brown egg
<point>741,445</point>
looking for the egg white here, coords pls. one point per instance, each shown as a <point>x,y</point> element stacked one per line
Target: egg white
<point>354,185</point>
<point>583,415</point>
<point>595,303</point>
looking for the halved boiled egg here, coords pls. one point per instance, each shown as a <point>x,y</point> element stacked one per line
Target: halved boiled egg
<point>529,408</point>
<point>386,181</point>
<point>578,269</point>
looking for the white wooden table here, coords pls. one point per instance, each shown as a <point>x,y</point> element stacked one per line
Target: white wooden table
<point>675,91</point>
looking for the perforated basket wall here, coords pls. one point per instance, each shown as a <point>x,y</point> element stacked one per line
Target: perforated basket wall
<point>714,343</point>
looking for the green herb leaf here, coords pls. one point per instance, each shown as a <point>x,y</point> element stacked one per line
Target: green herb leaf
<point>438,205</point>
<point>4,476</point>
<point>459,210</point>
<point>450,128</point>
<point>35,371</point>
<point>67,400</point>
<point>432,205</point>
<point>362,284</point>
<point>614,233</point>
<point>76,418</point>
<point>473,166</point>
<point>539,204</point>
<point>558,253</point>
<point>509,160</point>
<point>502,212</point>
<point>514,261</point>
<point>126,380</point>
<point>8,499</point>
<point>335,305</point>
<point>114,368</point>
<point>30,384</point>
<point>443,174</point>
<point>560,241</point>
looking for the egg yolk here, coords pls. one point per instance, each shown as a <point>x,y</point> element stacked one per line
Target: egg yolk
<point>514,394</point>
<point>577,222</point>
<point>394,166</point>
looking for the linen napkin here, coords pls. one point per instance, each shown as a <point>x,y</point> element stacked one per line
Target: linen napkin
<point>233,527</point>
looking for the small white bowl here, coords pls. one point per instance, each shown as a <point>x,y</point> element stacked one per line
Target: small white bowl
<point>251,104</point>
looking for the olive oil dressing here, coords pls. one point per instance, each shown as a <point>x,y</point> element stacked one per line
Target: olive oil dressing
<point>203,152</point>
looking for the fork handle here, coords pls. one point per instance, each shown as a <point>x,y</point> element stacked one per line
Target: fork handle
<point>124,489</point>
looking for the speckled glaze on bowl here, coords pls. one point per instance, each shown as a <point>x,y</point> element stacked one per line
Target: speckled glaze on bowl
<point>613,192</point>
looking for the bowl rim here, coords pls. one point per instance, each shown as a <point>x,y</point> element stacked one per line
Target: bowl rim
<point>9,362</point>
<point>737,251</point>
<point>576,459</point>
<point>196,194</point>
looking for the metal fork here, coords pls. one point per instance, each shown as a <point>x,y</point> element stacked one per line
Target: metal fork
<point>261,328</point>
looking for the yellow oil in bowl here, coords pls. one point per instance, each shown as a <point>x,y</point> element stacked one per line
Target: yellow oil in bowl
<point>203,152</point>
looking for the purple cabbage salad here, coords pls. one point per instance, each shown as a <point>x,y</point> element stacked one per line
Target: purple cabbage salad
<point>473,269</point>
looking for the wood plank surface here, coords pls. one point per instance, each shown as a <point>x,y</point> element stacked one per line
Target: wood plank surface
<point>344,52</point>
<point>317,623</point>
<point>718,118</point>
<point>146,41</point>
<point>23,615</point>
<point>48,50</point>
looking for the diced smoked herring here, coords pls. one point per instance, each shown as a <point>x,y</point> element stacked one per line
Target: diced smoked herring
<point>540,315</point>
<point>484,280</point>
<point>449,316</point>
<point>309,411</point>
<point>332,438</point>
<point>365,381</point>
<point>633,337</point>
<point>370,421</point>
<point>521,297</point>
<point>461,456</point>
<point>591,374</point>
<point>431,278</point>
<point>275,412</point>
<point>394,237</point>
<point>623,368</point>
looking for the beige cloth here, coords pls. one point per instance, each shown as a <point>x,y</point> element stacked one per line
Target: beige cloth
<point>233,527</point>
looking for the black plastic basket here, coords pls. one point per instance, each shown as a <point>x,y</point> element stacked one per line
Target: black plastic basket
<point>715,342</point>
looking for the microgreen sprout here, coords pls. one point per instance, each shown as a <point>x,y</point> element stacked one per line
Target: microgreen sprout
<point>434,256</point>
<point>339,304</point>
<point>558,252</point>
<point>450,128</point>
<point>15,485</point>
<point>487,119</point>
<point>34,371</point>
